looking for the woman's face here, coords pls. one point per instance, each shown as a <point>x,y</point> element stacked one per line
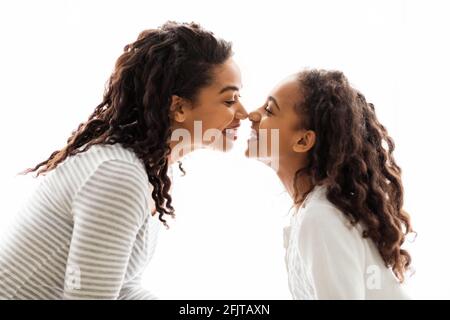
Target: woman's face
<point>213,119</point>
<point>281,123</point>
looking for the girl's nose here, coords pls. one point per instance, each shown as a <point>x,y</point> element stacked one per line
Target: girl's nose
<point>254,116</point>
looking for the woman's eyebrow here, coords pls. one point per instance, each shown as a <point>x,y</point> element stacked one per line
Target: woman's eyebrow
<point>229,88</point>
<point>270,98</point>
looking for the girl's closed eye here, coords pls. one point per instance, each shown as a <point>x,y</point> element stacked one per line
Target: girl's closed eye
<point>268,110</point>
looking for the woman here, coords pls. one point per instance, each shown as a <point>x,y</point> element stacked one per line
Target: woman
<point>335,160</point>
<point>87,231</point>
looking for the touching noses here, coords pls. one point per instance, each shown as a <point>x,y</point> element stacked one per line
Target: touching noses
<point>254,116</point>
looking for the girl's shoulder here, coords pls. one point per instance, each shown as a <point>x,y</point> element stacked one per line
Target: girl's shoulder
<point>318,211</point>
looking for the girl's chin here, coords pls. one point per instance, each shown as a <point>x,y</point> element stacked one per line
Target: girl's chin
<point>273,163</point>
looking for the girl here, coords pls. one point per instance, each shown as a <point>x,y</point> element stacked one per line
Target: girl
<point>87,231</point>
<point>335,160</point>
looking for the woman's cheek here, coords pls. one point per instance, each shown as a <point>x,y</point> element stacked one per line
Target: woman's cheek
<point>227,117</point>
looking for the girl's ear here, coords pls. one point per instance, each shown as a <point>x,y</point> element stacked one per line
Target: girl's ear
<point>304,141</point>
<point>179,108</point>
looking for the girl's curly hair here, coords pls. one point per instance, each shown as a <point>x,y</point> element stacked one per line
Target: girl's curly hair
<point>174,59</point>
<point>353,157</point>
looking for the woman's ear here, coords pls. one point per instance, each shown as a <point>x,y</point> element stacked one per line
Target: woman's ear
<point>304,141</point>
<point>178,109</point>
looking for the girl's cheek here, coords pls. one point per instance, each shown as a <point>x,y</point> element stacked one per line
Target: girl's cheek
<point>264,123</point>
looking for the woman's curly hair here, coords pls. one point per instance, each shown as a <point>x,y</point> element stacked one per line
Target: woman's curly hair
<point>175,59</point>
<point>353,158</point>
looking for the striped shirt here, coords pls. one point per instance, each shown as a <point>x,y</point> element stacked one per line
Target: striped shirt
<point>85,233</point>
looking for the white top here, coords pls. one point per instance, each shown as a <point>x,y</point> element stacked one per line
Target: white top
<point>85,233</point>
<point>327,258</point>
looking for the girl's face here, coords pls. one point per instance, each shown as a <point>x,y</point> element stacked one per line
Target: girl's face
<point>213,119</point>
<point>279,118</point>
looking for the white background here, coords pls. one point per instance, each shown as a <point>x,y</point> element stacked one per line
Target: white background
<point>226,242</point>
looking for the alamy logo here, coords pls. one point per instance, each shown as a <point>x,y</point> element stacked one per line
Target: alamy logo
<point>373,280</point>
<point>73,277</point>
<point>258,146</point>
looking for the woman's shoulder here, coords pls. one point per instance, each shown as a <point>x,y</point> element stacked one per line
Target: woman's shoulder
<point>110,152</point>
<point>115,173</point>
<point>89,160</point>
<point>111,161</point>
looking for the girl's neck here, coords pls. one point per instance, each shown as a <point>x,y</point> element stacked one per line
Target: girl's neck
<point>296,188</point>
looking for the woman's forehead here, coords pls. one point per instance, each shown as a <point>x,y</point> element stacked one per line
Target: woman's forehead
<point>228,74</point>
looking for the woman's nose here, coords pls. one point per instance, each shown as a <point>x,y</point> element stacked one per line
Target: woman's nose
<point>254,116</point>
<point>241,113</point>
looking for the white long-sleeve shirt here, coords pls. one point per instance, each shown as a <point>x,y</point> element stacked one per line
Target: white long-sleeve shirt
<point>85,233</point>
<point>327,258</point>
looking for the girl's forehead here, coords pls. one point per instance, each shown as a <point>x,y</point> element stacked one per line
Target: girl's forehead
<point>287,92</point>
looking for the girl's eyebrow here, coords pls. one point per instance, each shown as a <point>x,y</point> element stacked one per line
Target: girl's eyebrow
<point>270,98</point>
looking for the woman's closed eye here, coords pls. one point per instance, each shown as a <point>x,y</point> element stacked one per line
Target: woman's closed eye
<point>229,103</point>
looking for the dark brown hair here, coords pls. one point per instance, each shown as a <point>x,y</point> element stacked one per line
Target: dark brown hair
<point>175,59</point>
<point>353,158</point>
